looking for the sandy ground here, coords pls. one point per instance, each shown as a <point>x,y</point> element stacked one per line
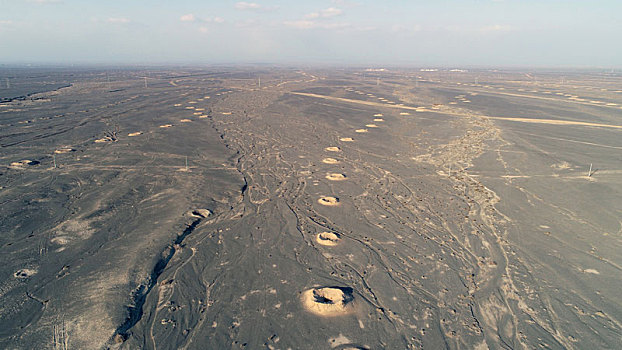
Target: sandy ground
<point>467,216</point>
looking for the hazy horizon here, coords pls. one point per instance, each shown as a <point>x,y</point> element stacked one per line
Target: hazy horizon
<point>491,33</point>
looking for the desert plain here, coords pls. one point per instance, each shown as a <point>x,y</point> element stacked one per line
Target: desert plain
<point>285,208</point>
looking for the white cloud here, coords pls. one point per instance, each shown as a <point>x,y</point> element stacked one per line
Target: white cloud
<point>307,24</point>
<point>192,18</point>
<point>118,20</point>
<point>187,18</point>
<point>243,5</point>
<point>331,12</point>
<point>3,22</point>
<point>326,13</point>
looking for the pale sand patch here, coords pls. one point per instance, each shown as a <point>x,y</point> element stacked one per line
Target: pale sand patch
<point>342,342</point>
<point>336,177</point>
<point>201,213</point>
<point>226,113</point>
<point>24,273</point>
<point>328,301</point>
<point>404,113</point>
<point>330,161</point>
<point>555,122</point>
<point>328,201</point>
<point>24,162</point>
<point>561,165</point>
<point>60,240</point>
<point>360,130</point>
<point>206,97</point>
<point>371,125</point>
<point>166,125</point>
<point>346,139</point>
<point>332,149</point>
<point>135,133</point>
<point>192,102</point>
<point>197,113</point>
<point>592,271</point>
<point>327,238</point>
<point>177,105</point>
<point>378,115</point>
<point>185,120</point>
<point>378,119</point>
<point>64,150</point>
<point>202,116</point>
<point>189,107</point>
<point>199,109</point>
<point>103,139</point>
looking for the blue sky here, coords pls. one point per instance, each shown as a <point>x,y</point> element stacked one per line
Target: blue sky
<point>361,32</point>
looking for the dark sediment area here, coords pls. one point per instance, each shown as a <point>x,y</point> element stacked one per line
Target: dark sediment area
<point>325,209</point>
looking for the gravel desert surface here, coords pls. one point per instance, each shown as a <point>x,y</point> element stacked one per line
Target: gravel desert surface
<point>196,208</point>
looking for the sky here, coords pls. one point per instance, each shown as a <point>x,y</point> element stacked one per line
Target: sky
<point>460,33</point>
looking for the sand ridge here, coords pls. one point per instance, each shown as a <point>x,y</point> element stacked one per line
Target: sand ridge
<point>332,149</point>
<point>330,161</point>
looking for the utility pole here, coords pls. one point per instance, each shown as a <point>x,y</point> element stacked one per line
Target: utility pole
<point>145,82</point>
<point>259,78</point>
<point>8,85</point>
